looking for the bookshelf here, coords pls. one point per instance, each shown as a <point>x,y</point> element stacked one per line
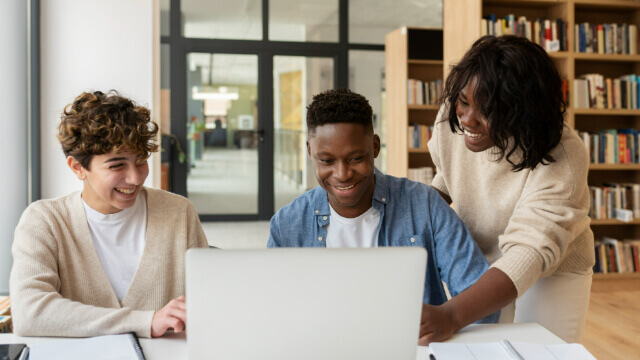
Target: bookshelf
<point>407,58</point>
<point>463,25</point>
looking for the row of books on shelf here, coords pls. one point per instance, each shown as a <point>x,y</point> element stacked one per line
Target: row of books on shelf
<point>606,38</point>
<point>418,136</point>
<point>548,33</point>
<point>615,201</point>
<point>423,92</point>
<point>597,92</point>
<point>5,315</point>
<point>423,175</point>
<point>616,256</point>
<point>612,146</point>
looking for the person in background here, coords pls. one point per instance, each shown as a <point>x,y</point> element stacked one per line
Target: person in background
<point>108,259</point>
<point>357,206</point>
<point>517,177</point>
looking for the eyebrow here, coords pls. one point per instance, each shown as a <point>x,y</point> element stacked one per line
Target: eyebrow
<point>463,95</point>
<point>115,159</point>
<point>355,152</point>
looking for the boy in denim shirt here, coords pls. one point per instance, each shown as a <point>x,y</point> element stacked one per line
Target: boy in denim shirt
<point>357,206</point>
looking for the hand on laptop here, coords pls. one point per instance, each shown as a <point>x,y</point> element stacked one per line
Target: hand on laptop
<point>171,316</point>
<point>437,323</point>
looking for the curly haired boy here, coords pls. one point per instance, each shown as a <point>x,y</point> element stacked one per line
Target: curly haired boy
<point>108,259</point>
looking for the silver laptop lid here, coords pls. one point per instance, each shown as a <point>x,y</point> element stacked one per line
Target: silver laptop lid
<point>293,304</point>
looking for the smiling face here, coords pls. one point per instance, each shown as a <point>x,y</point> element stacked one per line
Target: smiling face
<point>474,125</point>
<point>113,181</point>
<point>343,159</point>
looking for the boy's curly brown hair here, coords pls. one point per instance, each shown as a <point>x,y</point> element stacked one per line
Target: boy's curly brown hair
<point>97,123</point>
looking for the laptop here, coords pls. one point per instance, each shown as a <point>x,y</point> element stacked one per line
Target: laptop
<point>304,303</point>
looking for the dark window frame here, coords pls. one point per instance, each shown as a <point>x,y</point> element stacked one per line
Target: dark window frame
<point>265,49</point>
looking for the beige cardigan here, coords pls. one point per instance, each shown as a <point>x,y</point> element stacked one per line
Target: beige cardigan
<point>530,223</point>
<point>58,287</point>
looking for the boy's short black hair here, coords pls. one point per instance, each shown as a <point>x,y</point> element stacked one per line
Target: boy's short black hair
<point>519,92</point>
<point>339,106</point>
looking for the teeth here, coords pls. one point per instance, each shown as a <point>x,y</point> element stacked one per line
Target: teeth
<point>345,188</point>
<point>126,191</point>
<point>472,135</point>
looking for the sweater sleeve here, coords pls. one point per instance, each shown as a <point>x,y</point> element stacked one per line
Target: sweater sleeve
<point>196,235</point>
<point>434,146</point>
<point>38,309</point>
<point>552,213</point>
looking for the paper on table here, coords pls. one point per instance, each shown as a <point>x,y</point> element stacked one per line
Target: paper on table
<point>496,351</point>
<point>109,347</point>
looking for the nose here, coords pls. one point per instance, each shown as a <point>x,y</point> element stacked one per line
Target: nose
<point>134,175</point>
<point>469,119</point>
<point>342,172</point>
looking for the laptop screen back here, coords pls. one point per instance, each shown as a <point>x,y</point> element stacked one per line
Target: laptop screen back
<point>304,303</point>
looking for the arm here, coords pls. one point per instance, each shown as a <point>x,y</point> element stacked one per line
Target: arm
<point>274,232</point>
<point>438,182</point>
<point>196,235</point>
<point>493,291</point>
<point>39,309</point>
<point>477,295</point>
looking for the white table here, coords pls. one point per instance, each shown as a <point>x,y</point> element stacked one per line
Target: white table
<point>175,346</point>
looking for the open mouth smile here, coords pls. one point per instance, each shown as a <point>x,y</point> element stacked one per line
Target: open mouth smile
<point>473,136</point>
<point>126,191</point>
<point>345,188</point>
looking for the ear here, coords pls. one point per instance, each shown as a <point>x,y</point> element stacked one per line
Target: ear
<point>76,167</point>
<point>308,149</point>
<point>376,146</point>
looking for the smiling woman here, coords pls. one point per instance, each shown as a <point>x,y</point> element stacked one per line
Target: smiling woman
<point>518,178</point>
<point>113,254</point>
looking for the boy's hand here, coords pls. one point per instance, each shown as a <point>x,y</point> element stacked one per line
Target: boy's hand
<point>171,316</point>
<point>436,324</point>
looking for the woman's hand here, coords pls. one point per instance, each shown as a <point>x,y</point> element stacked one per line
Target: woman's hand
<point>437,323</point>
<point>171,316</point>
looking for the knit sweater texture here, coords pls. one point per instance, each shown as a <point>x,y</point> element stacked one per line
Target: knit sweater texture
<point>58,286</point>
<point>529,224</point>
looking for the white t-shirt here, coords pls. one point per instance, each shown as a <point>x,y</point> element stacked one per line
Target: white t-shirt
<point>119,242</point>
<point>358,232</point>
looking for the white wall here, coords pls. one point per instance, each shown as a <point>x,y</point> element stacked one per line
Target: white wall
<point>91,45</point>
<point>13,121</point>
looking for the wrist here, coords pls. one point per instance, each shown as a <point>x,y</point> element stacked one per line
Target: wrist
<point>453,315</point>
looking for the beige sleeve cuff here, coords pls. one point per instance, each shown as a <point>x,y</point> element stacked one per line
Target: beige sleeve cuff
<point>141,321</point>
<point>523,265</point>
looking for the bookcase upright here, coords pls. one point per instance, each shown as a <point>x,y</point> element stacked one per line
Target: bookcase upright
<point>407,57</point>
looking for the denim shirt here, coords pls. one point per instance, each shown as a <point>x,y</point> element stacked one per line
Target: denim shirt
<point>412,214</point>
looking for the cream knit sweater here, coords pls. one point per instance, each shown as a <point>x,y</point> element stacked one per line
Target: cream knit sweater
<point>58,287</point>
<point>529,224</point>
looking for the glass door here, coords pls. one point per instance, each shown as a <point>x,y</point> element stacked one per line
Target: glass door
<point>295,80</point>
<point>222,133</point>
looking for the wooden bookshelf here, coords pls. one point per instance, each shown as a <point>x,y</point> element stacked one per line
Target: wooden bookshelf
<point>462,26</point>
<point>402,65</point>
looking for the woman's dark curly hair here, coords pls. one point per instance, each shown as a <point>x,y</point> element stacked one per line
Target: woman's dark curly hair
<point>339,106</point>
<point>518,91</point>
<point>97,123</point>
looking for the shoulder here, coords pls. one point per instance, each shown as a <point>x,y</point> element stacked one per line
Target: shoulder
<point>405,192</point>
<point>51,210</point>
<point>571,157</point>
<point>160,198</point>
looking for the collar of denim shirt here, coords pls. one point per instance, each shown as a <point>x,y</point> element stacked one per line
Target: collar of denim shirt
<point>380,198</point>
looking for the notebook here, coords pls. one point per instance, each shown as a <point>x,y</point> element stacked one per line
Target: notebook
<point>121,347</point>
<point>14,352</point>
<point>310,304</point>
<point>505,350</point>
